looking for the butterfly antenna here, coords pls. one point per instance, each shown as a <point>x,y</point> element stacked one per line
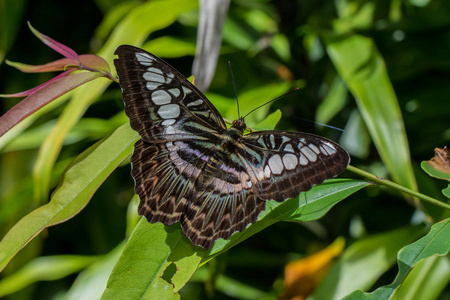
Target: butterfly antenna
<point>290,92</point>
<point>322,124</point>
<point>234,86</point>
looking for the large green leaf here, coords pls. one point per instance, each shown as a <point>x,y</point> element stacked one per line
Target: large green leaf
<point>151,249</point>
<point>79,182</point>
<point>436,242</point>
<point>362,68</point>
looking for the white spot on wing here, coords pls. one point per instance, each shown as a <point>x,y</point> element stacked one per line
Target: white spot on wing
<point>175,92</point>
<point>154,77</point>
<point>302,160</point>
<point>152,85</point>
<point>168,122</point>
<point>169,111</point>
<point>170,130</point>
<point>260,175</point>
<point>288,148</point>
<point>186,90</point>
<point>155,70</point>
<point>314,148</point>
<point>144,59</point>
<point>329,148</point>
<point>195,103</point>
<point>310,155</point>
<point>290,161</point>
<point>272,140</point>
<point>267,172</point>
<point>160,97</point>
<point>275,164</point>
<point>285,139</point>
<point>248,184</point>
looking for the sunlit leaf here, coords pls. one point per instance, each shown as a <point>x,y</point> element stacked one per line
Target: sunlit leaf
<point>362,68</point>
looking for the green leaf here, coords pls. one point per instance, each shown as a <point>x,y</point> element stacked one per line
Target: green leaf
<point>446,191</point>
<point>333,103</point>
<point>167,46</point>
<point>436,242</point>
<point>91,282</point>
<point>309,206</point>
<point>362,263</point>
<point>426,280</point>
<point>434,172</point>
<point>79,182</point>
<point>355,138</point>
<point>269,122</point>
<point>151,249</point>
<point>251,99</point>
<point>314,203</point>
<point>44,268</point>
<point>362,68</point>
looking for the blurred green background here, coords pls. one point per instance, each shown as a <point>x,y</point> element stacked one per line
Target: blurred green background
<point>270,43</point>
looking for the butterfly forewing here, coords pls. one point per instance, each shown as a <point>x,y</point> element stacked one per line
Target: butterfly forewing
<point>189,168</point>
<point>160,103</point>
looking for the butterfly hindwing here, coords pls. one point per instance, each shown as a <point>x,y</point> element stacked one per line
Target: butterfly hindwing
<point>284,164</point>
<point>171,184</point>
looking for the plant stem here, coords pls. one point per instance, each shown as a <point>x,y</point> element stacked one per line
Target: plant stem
<point>396,186</point>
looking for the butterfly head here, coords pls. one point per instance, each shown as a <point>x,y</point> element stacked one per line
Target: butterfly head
<point>239,124</point>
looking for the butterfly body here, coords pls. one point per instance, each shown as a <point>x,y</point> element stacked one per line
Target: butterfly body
<point>189,168</point>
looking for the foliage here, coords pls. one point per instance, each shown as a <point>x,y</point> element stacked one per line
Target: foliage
<point>66,197</point>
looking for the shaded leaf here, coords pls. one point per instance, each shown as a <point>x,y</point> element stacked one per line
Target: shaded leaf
<point>439,165</point>
<point>44,268</point>
<point>426,280</point>
<point>91,282</point>
<point>363,262</point>
<point>436,242</point>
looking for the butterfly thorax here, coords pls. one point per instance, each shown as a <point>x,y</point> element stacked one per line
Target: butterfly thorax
<point>231,136</point>
<point>222,155</point>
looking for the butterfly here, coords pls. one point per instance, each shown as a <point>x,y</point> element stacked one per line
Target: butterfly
<point>189,168</point>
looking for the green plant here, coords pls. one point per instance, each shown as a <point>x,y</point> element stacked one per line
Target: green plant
<point>157,261</point>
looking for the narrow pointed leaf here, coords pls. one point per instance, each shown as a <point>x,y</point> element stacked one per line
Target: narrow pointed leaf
<point>58,47</point>
<point>57,65</point>
<point>363,70</point>
<point>41,96</point>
